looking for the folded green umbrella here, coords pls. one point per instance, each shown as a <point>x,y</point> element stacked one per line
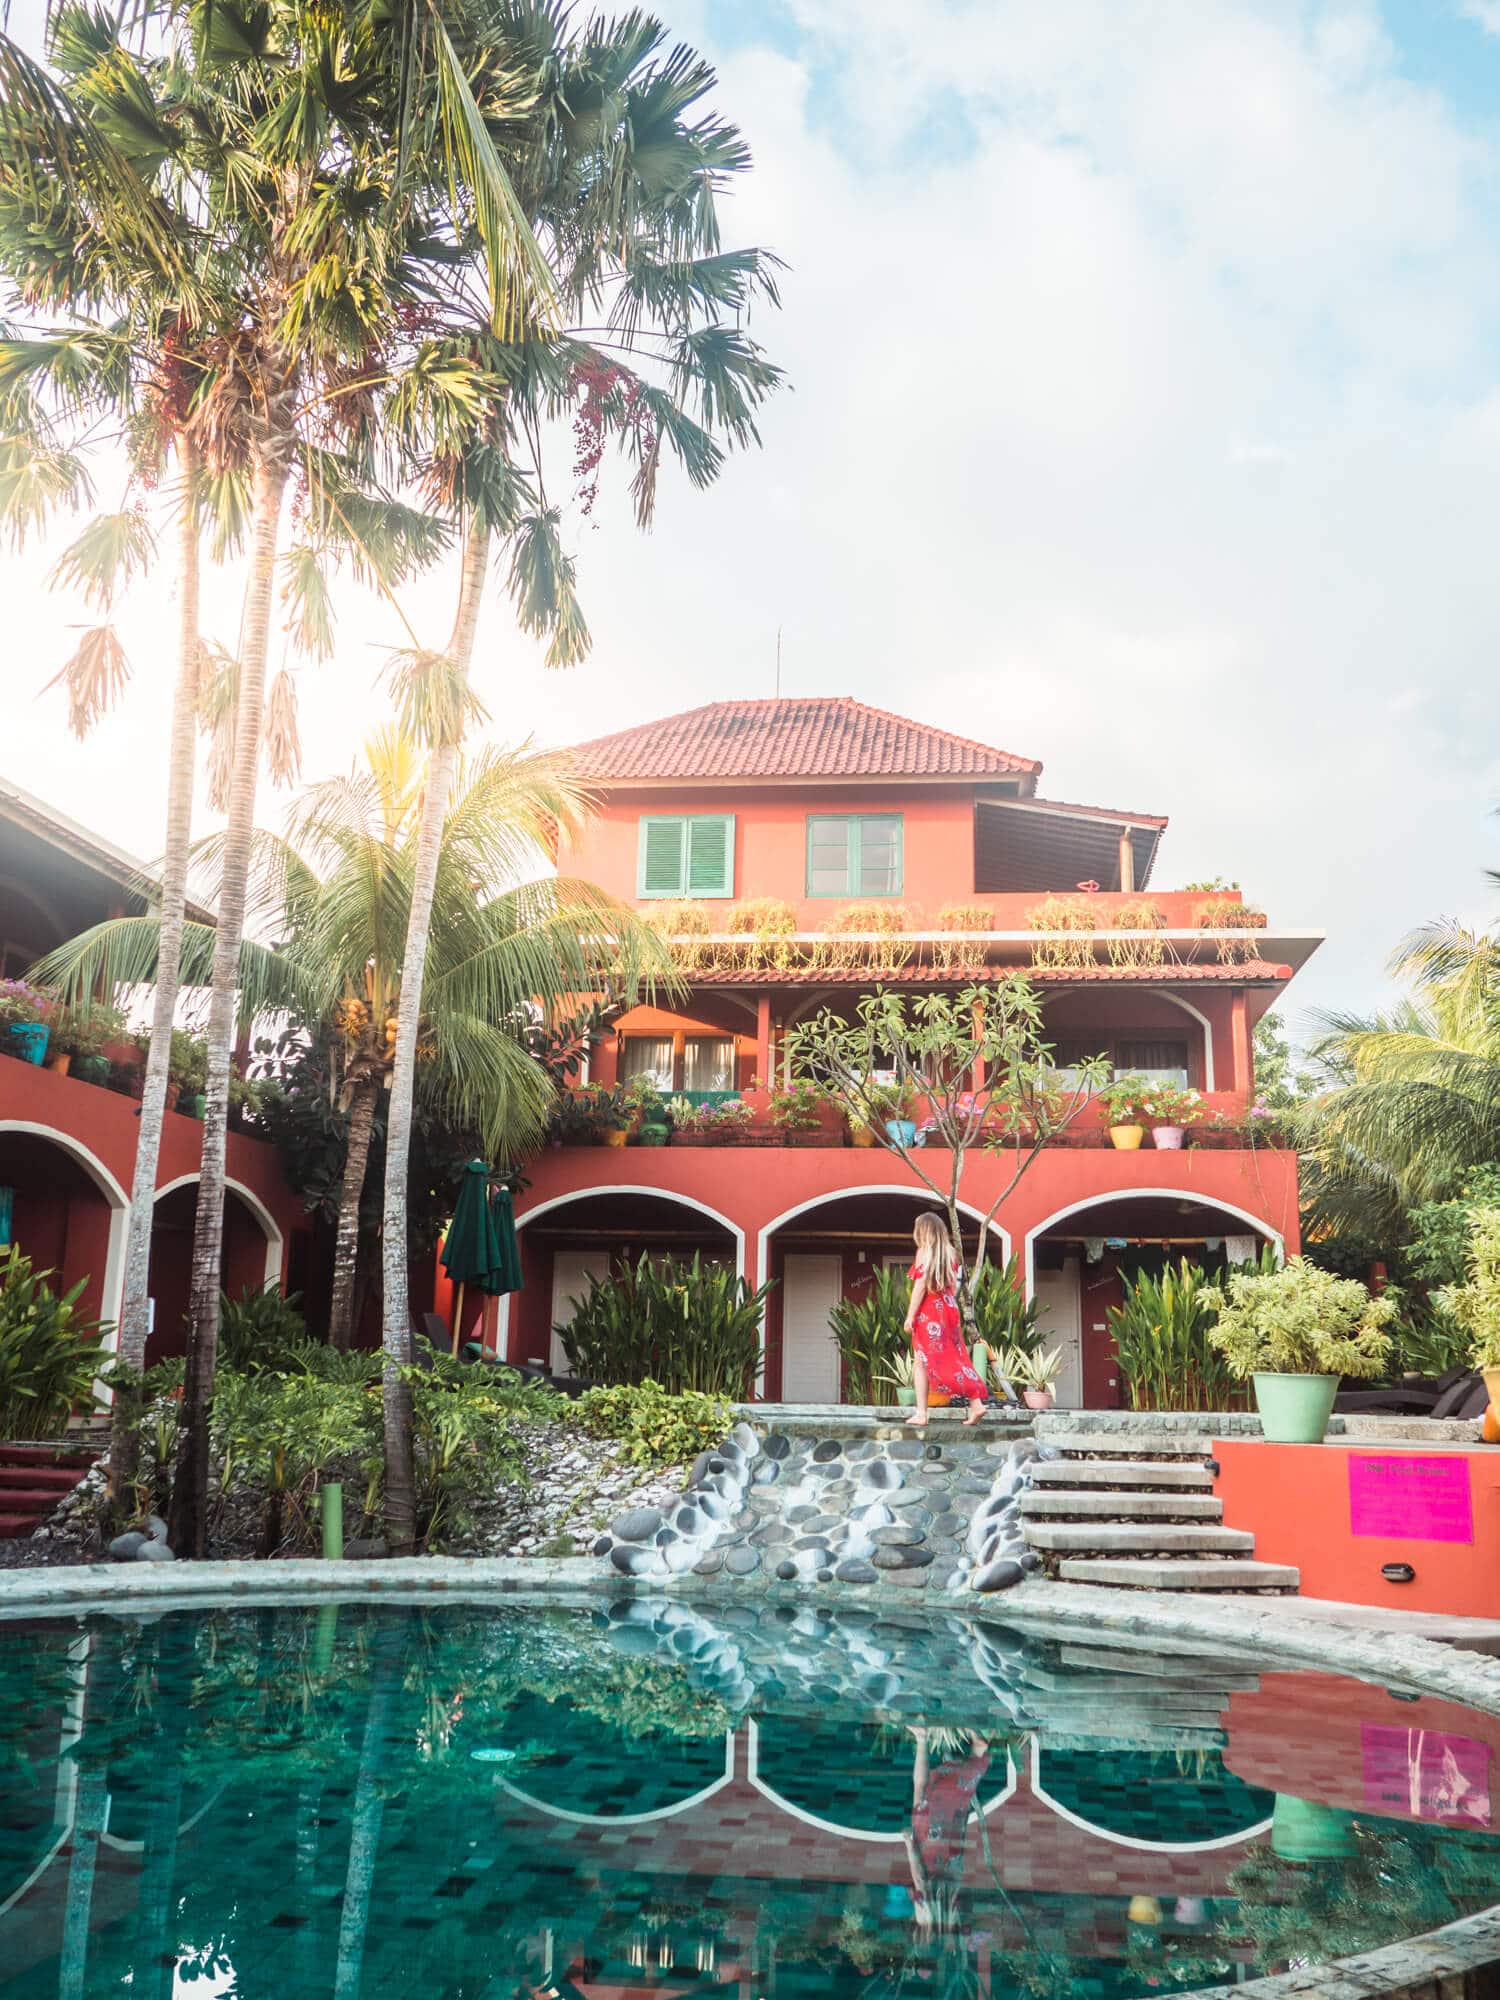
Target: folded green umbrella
<point>474,1250</point>
<point>503,1215</point>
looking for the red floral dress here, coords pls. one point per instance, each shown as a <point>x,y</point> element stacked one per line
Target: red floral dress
<point>938,1337</point>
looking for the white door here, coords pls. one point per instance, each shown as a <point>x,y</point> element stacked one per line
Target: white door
<point>811,1286</point>
<point>571,1271</point>
<point>1060,1322</point>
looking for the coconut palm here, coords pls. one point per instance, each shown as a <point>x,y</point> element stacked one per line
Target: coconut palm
<point>617,170</point>
<point>1413,1103</point>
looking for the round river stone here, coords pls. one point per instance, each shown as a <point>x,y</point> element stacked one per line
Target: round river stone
<point>637,1524</point>
<point>742,1561</point>
<point>898,1537</point>
<point>776,1446</point>
<point>901,1558</point>
<point>857,1571</point>
<point>829,1449</point>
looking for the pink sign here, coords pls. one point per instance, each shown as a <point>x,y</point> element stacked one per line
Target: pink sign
<point>1415,1498</point>
<point>1425,1773</point>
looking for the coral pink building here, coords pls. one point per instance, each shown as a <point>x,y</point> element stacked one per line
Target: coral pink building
<point>820,804</point>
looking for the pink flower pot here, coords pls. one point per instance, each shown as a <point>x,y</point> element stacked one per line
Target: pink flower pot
<point>1037,1399</point>
<point>1168,1137</point>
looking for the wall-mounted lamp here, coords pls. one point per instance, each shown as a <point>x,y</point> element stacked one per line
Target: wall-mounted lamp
<point>1398,1572</point>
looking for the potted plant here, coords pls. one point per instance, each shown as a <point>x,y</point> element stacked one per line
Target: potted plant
<point>612,1113</point>
<point>797,1113</point>
<point>1125,1104</point>
<point>80,1036</point>
<point>1033,1371</point>
<point>570,1121</point>
<point>878,1104</point>
<point>187,1073</point>
<point>244,1101</point>
<point>650,1108</point>
<point>902,1126</point>
<point>726,1124</point>
<point>25,1019</point>
<point>900,1376</point>
<point>1294,1333</point>
<point>1476,1304</point>
<point>1171,1111</point>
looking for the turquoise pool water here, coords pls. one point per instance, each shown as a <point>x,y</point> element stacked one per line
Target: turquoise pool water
<point>481,1802</point>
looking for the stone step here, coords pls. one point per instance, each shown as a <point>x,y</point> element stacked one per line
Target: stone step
<point>30,1477</point>
<point>1063,1505</point>
<point>1133,1444</point>
<point>1135,1736</point>
<point>1122,1537</point>
<point>1144,1574</point>
<point>1070,1709</point>
<point>1186,1663</point>
<point>1131,1686</point>
<point>38,1500</point>
<point>1119,1472</point>
<point>14,1526</point>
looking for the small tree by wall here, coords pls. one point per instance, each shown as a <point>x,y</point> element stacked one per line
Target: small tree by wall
<point>973,1069</point>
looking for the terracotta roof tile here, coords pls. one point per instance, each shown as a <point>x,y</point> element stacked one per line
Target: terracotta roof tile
<point>792,738</point>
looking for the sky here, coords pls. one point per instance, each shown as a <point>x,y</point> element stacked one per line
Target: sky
<point>1144,417</point>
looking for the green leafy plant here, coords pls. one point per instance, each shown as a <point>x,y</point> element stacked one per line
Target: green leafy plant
<point>655,1426</point>
<point>1003,1315</point>
<point>1475,1304</point>
<point>466,1442</point>
<point>1300,1321</point>
<point>870,1333</point>
<point>86,1030</point>
<point>187,1066</point>
<point>900,1371</point>
<point>260,1329</point>
<point>726,1124</point>
<point>1166,1104</point>
<point>49,1353</point>
<point>286,1432</point>
<point>1126,1100</point>
<point>1028,1368</point>
<point>1161,1333</point>
<point>685,1326</point>
<point>22,1004</point>
<point>797,1107</point>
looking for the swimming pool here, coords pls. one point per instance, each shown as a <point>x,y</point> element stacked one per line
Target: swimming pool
<point>656,1797</point>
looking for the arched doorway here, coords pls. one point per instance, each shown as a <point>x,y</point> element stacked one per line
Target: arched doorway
<point>572,1237</point>
<point>252,1248</point>
<point>828,1249</point>
<point>1080,1259</point>
<point>68,1213</point>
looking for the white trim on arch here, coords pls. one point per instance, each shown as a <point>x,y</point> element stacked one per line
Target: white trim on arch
<point>112,1281</point>
<point>837,1827</point>
<point>1129,1839</point>
<point>917,1193</point>
<point>1256,1222</point>
<point>630,1819</point>
<point>502,1314</point>
<point>1162,993</point>
<point>275,1242</point>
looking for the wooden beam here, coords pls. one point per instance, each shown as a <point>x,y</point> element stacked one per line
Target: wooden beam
<point>1127,863</point>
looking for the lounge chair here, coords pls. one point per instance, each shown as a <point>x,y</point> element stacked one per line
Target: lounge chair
<point>1459,1393</point>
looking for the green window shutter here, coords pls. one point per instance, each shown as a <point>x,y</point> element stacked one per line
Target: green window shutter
<point>710,855</point>
<point>660,857</point>
<point>879,849</point>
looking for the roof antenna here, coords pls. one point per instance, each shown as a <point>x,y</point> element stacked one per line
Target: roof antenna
<point>778,663</point>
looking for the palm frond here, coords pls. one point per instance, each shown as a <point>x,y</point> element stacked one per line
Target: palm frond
<point>94,676</point>
<point>112,549</point>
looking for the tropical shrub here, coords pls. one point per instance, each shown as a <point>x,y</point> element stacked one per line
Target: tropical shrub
<point>726,1124</point>
<point>1300,1321</point>
<point>1166,1104</point>
<point>49,1354</point>
<point>285,1432</point>
<point>86,1030</point>
<point>466,1441</point>
<point>683,1326</point>
<point>1127,1101</point>
<point>798,1107</point>
<point>1475,1304</point>
<point>1027,1368</point>
<point>654,1426</point>
<point>1162,1341</point>
<point>1003,1315</point>
<point>260,1329</point>
<point>22,1004</point>
<point>871,1333</point>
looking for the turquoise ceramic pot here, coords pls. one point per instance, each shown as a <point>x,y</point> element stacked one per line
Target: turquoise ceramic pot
<point>28,1040</point>
<point>1304,1830</point>
<point>1294,1409</point>
<point>902,1130</point>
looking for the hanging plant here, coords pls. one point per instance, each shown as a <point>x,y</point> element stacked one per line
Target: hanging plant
<point>1063,924</point>
<point>1147,946</point>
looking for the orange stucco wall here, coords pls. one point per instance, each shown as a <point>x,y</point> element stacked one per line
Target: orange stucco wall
<point>770,841</point>
<point>1295,1499</point>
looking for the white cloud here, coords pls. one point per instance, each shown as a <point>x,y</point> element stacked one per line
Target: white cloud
<point>1485,12</point>
<point>1153,432</point>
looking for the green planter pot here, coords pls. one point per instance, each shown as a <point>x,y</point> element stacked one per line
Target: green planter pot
<point>193,1104</point>
<point>28,1040</point>
<point>91,1069</point>
<point>907,1398</point>
<point>652,1135</point>
<point>1303,1830</point>
<point>1294,1409</point>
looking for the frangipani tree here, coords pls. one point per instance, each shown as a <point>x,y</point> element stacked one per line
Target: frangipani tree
<point>978,1065</point>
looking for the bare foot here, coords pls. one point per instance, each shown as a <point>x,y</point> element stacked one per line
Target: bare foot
<point>976,1411</point>
<point>918,1420</point>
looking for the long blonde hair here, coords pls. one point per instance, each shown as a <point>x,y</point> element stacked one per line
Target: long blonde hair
<point>936,1258</point>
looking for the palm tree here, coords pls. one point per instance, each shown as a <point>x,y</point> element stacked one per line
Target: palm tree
<point>1413,1103</point>
<point>618,175</point>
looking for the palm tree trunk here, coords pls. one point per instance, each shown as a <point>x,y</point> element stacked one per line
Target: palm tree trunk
<point>351,1190</point>
<point>365,1816</point>
<point>400,1493</point>
<point>130,1343</point>
<point>190,1487</point>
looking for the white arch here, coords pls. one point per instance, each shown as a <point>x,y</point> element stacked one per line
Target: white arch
<point>836,1827</point>
<point>270,1229</point>
<point>502,1314</point>
<point>112,1282</point>
<point>1161,992</point>
<point>1129,1839</point>
<point>1256,1222</point>
<point>631,1819</point>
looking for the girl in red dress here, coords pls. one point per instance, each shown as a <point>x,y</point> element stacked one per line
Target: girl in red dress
<point>939,1358</point>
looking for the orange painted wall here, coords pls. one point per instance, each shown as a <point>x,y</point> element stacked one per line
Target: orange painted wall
<point>770,840</point>
<point>1295,1500</point>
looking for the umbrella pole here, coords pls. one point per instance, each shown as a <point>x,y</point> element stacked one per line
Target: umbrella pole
<point>458,1317</point>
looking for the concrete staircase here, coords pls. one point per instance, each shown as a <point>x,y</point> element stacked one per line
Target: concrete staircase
<point>34,1478</point>
<point>1139,1511</point>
